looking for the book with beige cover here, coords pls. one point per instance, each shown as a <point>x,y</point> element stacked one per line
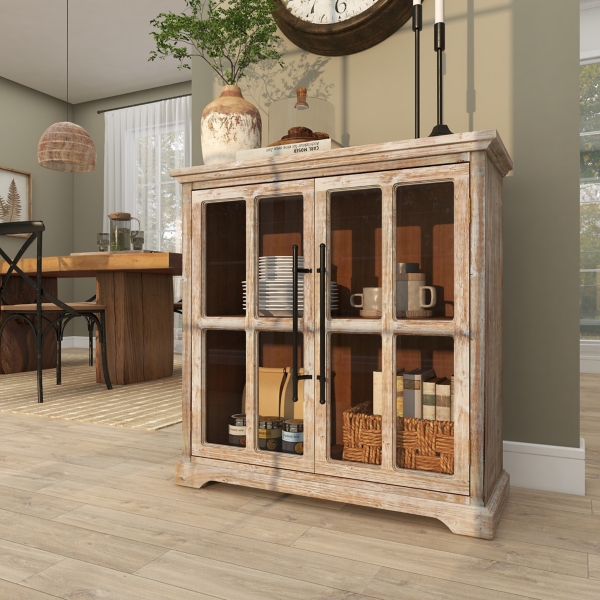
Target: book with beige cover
<point>442,400</point>
<point>413,392</point>
<point>429,397</point>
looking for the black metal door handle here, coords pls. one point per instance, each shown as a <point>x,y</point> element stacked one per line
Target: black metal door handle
<point>322,280</point>
<point>295,271</point>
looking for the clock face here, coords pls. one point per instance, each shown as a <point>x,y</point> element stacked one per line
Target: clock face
<point>327,11</point>
<point>339,27</point>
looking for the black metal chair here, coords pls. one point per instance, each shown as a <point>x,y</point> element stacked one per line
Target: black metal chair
<point>90,325</point>
<point>35,314</point>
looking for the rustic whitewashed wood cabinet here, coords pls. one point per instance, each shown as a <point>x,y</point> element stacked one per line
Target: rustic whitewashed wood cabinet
<point>399,268</point>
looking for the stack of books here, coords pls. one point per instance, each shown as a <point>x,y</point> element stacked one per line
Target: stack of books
<point>419,395</point>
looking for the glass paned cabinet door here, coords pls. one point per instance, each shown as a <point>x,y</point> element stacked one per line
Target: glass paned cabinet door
<point>393,404</point>
<point>283,309</point>
<point>254,403</point>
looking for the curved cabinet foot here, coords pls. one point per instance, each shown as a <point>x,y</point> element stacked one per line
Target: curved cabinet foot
<point>191,476</point>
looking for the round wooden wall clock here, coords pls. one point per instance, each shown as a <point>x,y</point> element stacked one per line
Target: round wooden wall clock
<point>338,27</point>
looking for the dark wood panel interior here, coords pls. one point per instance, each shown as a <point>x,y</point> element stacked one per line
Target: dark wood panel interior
<point>424,352</point>
<point>225,257</point>
<point>354,357</point>
<point>225,381</point>
<point>425,235</point>
<point>355,243</point>
<point>17,347</point>
<point>275,349</point>
<point>280,226</point>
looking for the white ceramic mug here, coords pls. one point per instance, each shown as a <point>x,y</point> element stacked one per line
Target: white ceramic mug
<point>412,295</point>
<point>370,299</point>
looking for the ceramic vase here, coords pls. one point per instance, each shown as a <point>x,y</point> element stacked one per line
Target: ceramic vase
<point>229,124</point>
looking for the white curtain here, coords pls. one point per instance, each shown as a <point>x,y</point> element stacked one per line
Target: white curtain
<point>142,144</point>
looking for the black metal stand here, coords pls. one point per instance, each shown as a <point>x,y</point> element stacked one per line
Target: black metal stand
<point>440,46</point>
<point>417,25</point>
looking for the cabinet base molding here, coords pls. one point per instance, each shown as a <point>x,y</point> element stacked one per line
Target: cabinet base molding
<point>453,510</point>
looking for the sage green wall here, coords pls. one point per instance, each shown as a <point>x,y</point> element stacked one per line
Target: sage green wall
<point>88,208</point>
<point>511,65</point>
<point>24,116</point>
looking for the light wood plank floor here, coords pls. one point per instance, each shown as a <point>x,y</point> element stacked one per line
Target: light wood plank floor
<point>90,511</point>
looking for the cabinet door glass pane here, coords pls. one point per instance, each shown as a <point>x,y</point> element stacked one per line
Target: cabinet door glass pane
<point>425,251</point>
<point>225,233</point>
<point>356,253</point>
<point>424,403</point>
<point>355,433</point>
<point>281,420</point>
<point>280,226</point>
<point>225,378</point>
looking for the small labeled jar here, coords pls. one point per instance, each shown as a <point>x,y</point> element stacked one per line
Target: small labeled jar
<point>292,438</point>
<point>269,433</point>
<point>237,430</point>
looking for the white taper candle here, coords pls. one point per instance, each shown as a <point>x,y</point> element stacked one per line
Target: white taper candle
<point>439,11</point>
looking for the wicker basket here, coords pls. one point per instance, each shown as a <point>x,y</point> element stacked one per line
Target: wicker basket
<point>423,445</point>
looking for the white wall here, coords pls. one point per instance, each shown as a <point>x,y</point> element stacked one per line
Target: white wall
<point>590,30</point>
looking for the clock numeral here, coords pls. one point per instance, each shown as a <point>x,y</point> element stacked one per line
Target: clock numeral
<point>340,7</point>
<point>312,10</point>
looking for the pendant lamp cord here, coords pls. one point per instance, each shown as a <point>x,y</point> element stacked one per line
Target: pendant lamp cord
<point>67,61</point>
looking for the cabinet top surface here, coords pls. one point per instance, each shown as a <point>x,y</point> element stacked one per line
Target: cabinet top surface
<point>318,164</point>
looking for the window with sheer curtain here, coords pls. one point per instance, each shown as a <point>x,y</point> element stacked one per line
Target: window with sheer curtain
<point>142,144</point>
<point>589,160</point>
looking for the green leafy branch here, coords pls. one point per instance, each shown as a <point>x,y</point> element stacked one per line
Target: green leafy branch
<point>230,35</point>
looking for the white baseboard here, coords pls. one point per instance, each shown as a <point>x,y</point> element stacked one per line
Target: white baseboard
<point>549,468</point>
<point>589,356</point>
<point>76,341</point>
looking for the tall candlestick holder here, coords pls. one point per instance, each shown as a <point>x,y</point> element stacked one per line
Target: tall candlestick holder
<point>440,46</point>
<point>417,25</point>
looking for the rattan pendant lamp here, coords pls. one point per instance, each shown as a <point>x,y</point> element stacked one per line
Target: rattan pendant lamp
<point>66,146</point>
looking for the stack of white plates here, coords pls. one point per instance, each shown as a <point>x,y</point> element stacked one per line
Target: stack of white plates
<point>275,287</point>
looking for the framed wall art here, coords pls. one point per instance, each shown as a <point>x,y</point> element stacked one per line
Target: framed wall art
<point>15,195</point>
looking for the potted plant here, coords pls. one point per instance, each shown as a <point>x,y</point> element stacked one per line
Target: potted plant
<point>230,35</point>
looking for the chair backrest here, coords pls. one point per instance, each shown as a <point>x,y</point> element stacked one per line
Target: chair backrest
<point>35,230</point>
<point>21,227</point>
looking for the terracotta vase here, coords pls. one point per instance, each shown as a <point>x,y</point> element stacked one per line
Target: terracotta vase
<point>229,124</point>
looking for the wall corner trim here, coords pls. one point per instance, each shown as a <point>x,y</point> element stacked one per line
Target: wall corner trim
<point>548,468</point>
<point>76,341</point>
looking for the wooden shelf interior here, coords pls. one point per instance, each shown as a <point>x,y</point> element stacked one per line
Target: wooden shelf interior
<point>225,378</point>
<point>426,352</point>
<point>225,232</point>
<point>280,226</point>
<point>354,357</point>
<point>425,235</point>
<point>355,218</point>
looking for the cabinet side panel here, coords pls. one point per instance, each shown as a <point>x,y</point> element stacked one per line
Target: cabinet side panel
<point>186,425</point>
<point>493,329</point>
<point>477,324</point>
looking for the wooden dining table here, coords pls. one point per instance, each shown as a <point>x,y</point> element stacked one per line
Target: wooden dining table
<point>137,290</point>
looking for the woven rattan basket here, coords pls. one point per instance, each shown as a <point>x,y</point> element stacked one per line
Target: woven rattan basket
<point>423,445</point>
